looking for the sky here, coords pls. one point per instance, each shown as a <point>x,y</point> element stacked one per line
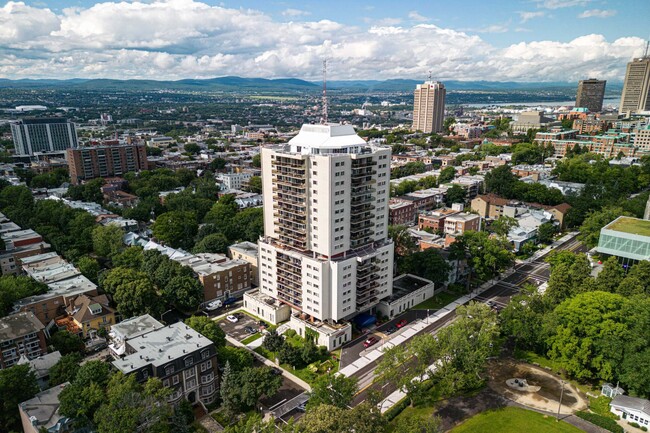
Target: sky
<point>496,40</point>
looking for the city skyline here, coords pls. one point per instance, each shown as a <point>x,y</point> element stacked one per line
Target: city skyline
<point>532,40</point>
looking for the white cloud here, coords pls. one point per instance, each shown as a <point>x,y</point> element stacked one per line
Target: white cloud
<point>494,28</point>
<point>173,39</point>
<point>527,16</point>
<point>597,13</point>
<point>294,13</point>
<point>416,16</point>
<point>559,4</point>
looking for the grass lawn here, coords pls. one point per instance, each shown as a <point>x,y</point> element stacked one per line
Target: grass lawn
<point>440,300</point>
<point>514,420</point>
<point>251,338</point>
<point>633,226</point>
<point>600,406</point>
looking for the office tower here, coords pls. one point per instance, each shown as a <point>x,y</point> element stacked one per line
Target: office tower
<point>429,107</point>
<point>43,135</point>
<point>325,250</point>
<point>105,160</point>
<point>590,94</point>
<point>636,88</point>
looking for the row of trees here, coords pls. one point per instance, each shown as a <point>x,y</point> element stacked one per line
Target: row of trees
<point>594,328</point>
<point>502,182</point>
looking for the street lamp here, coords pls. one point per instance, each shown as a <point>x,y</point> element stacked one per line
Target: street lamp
<point>161,316</point>
<point>560,405</point>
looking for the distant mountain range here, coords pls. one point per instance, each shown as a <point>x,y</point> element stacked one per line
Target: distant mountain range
<point>233,83</point>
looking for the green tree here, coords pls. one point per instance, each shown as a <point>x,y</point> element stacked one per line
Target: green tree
<point>208,328</point>
<point>402,239</point>
<point>273,342</point>
<point>130,257</point>
<point>132,291</point>
<point>455,194</point>
<point>427,264</point>
<point>89,267</point>
<point>247,225</point>
<point>257,160</point>
<point>596,220</point>
<point>523,318</point>
<point>487,256</point>
<point>334,390</point>
<point>238,357</point>
<point>449,122</point>
<point>192,148</point>
<point>567,280</point>
<point>107,240</point>
<point>610,277</point>
<point>545,232</point>
<point>255,382</point>
<point>13,288</point>
<point>66,343</point>
<point>587,334</point>
<point>501,181</point>
<point>17,384</point>
<point>229,391</point>
<point>218,164</point>
<point>254,185</point>
<point>502,225</point>
<point>447,174</point>
<point>415,424</point>
<point>184,292</point>
<point>65,370</point>
<point>176,228</point>
<point>637,280</point>
<point>212,243</point>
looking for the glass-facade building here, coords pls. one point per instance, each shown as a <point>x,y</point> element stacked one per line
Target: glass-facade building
<point>43,136</point>
<point>626,238</point>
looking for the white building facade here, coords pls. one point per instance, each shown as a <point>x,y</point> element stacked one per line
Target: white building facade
<point>325,250</point>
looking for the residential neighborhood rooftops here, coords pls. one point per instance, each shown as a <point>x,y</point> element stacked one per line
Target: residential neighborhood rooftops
<point>43,409</point>
<point>41,365</point>
<point>248,248</point>
<point>635,403</point>
<point>136,326</point>
<point>160,346</point>
<point>18,325</point>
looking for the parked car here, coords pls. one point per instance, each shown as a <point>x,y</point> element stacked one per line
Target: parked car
<point>263,323</point>
<point>232,318</point>
<point>391,330</point>
<point>250,330</point>
<point>211,306</point>
<point>402,323</point>
<point>370,341</point>
<point>276,371</point>
<point>229,301</point>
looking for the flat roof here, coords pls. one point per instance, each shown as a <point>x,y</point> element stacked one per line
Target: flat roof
<point>406,284</point>
<point>18,325</point>
<point>634,226</point>
<point>44,407</point>
<point>161,346</point>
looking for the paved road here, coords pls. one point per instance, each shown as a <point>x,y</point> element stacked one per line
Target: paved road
<point>536,272</point>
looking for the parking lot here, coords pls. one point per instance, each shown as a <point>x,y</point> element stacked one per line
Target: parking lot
<point>237,330</point>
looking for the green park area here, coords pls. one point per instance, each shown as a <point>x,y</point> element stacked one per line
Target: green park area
<point>441,299</point>
<point>514,420</point>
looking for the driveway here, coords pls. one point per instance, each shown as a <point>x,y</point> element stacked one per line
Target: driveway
<point>236,330</point>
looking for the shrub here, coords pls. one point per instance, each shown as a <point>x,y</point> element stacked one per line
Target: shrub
<point>644,428</point>
<point>601,421</point>
<point>397,409</point>
<point>290,333</point>
<point>634,424</point>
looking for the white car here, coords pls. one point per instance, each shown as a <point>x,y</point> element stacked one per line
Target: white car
<point>214,305</point>
<point>232,319</point>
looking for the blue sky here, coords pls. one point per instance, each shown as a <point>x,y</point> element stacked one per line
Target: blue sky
<point>526,40</point>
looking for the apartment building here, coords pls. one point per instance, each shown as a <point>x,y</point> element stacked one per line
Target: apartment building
<point>636,87</point>
<point>246,251</point>
<point>642,139</point>
<point>183,359</point>
<point>401,212</point>
<point>326,251</point>
<point>429,107</point>
<point>220,276</point>
<point>46,135</point>
<point>20,335</point>
<point>435,220</point>
<point>459,223</point>
<point>590,94</point>
<point>105,160</point>
<point>237,180</point>
<point>492,206</point>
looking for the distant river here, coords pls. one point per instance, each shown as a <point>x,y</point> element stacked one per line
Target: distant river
<point>607,102</point>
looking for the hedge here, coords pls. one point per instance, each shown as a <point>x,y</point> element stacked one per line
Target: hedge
<point>601,421</point>
<point>391,413</point>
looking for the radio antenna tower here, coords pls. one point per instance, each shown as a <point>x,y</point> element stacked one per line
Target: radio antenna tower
<point>324,100</point>
<point>429,74</point>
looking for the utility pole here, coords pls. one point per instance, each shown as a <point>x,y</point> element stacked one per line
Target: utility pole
<point>560,405</point>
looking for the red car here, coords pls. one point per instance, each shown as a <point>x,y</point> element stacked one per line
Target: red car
<point>370,341</point>
<point>402,323</point>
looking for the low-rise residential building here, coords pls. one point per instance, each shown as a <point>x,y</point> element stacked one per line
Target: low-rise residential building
<point>266,307</point>
<point>20,335</point>
<point>20,238</point>
<point>220,276</point>
<point>10,259</point>
<point>435,220</point>
<point>41,367</point>
<point>128,329</point>
<point>41,413</point>
<point>183,359</point>
<point>90,313</point>
<point>231,181</point>
<point>408,291</point>
<point>248,252</point>
<point>631,409</point>
<point>459,223</point>
<point>161,141</point>
<point>492,206</point>
<point>401,212</point>
<point>49,268</point>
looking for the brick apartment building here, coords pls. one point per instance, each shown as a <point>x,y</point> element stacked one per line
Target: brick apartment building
<point>105,160</point>
<point>220,276</point>
<point>20,335</point>
<point>401,212</point>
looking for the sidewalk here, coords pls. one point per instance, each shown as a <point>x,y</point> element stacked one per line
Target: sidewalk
<point>270,363</point>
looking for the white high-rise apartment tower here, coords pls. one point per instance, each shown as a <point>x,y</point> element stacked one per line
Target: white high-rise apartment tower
<point>429,107</point>
<point>326,251</point>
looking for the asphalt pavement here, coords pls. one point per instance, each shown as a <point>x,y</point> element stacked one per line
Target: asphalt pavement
<point>536,272</point>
